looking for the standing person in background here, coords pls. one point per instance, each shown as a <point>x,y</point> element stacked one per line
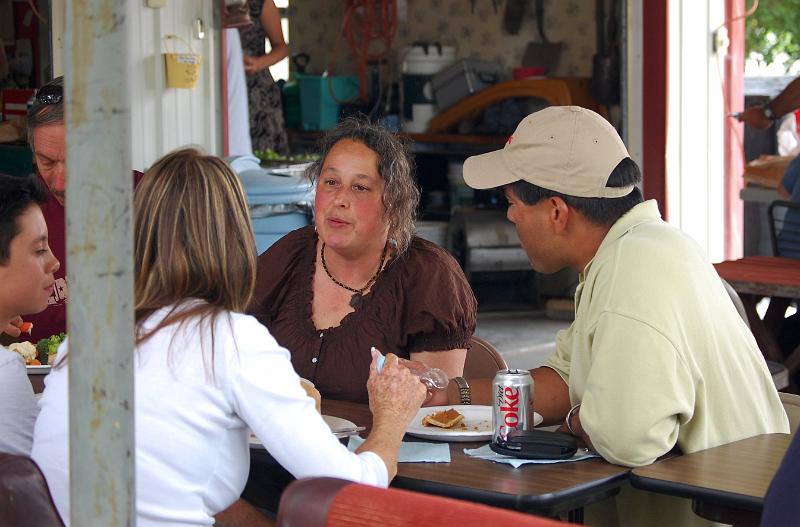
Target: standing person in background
<point>239,143</point>
<point>761,117</point>
<point>266,113</point>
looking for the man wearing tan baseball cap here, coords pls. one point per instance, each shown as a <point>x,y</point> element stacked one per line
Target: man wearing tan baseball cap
<point>657,356</point>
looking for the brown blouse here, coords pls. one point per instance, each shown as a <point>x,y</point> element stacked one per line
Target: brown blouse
<point>421,301</point>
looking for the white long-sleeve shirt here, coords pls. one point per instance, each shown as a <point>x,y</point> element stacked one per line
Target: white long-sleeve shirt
<point>17,405</point>
<point>192,453</point>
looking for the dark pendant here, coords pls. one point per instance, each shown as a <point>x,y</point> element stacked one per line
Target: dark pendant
<point>355,300</point>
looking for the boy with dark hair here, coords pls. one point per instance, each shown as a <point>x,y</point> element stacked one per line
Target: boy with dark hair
<point>27,268</point>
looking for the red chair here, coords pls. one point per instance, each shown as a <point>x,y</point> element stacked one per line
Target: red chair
<point>24,497</point>
<point>330,502</point>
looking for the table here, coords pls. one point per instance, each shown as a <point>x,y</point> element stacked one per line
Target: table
<point>726,483</point>
<point>36,375</point>
<point>541,489</point>
<point>754,277</point>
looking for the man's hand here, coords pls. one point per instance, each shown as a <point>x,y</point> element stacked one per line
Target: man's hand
<point>755,118</point>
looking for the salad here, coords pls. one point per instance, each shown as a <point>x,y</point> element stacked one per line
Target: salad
<point>271,155</point>
<point>48,347</point>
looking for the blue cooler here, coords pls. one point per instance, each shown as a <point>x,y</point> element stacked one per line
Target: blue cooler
<point>280,199</point>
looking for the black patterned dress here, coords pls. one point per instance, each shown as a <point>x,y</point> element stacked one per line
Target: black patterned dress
<point>264,96</point>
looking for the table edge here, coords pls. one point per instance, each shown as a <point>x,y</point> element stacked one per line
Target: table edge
<point>559,501</point>
<point>697,493</point>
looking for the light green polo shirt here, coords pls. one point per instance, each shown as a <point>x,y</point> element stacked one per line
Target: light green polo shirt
<point>658,354</point>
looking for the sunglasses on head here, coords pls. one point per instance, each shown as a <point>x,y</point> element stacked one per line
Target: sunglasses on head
<point>50,94</point>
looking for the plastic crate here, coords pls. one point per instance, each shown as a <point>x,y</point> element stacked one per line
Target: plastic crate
<point>321,98</point>
<point>463,78</point>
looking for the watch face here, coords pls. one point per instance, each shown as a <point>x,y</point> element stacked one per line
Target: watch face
<point>768,113</point>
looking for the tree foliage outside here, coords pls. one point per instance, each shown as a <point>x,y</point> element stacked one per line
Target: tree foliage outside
<point>773,32</point>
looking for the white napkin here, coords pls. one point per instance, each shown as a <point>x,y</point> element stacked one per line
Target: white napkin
<point>413,451</point>
<point>487,453</point>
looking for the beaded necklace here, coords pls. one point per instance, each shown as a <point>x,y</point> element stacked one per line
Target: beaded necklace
<point>357,293</point>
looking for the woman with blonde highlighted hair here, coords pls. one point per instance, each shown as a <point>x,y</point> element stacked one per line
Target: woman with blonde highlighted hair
<point>206,374</point>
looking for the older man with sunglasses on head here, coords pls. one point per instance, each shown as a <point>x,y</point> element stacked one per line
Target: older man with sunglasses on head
<point>47,139</point>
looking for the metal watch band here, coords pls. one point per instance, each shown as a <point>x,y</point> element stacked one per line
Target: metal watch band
<point>768,113</point>
<point>569,418</point>
<point>464,392</point>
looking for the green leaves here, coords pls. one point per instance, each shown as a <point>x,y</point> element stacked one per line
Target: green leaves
<point>774,29</point>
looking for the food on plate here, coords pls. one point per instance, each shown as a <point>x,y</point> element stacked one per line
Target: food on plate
<point>444,419</point>
<point>312,392</point>
<point>27,350</point>
<point>48,347</point>
<point>26,327</point>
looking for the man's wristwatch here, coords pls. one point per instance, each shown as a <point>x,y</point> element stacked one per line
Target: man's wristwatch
<point>465,395</point>
<point>768,113</point>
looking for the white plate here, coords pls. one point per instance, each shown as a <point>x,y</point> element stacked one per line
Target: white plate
<point>477,424</point>
<point>38,369</point>
<point>336,424</point>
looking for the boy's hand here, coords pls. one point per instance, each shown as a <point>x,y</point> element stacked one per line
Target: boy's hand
<point>13,327</point>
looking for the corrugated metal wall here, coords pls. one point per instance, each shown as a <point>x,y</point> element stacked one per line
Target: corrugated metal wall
<point>163,119</point>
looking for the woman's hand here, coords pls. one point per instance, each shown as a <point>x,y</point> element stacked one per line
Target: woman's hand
<point>253,65</point>
<point>395,394</point>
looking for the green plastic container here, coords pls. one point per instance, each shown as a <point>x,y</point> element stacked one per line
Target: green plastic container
<point>322,97</point>
<point>291,104</point>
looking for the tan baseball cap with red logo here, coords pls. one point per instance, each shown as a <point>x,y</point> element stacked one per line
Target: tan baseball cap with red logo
<point>567,149</point>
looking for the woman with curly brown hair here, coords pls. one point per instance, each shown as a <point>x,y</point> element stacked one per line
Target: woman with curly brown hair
<point>359,277</point>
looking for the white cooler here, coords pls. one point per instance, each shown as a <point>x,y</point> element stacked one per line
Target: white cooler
<point>280,199</point>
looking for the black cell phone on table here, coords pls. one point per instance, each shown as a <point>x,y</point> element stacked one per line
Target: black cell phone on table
<point>536,444</point>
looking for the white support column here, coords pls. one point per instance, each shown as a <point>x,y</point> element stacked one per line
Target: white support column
<point>100,264</point>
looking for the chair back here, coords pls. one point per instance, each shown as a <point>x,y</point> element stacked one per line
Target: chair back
<point>737,302</point>
<point>791,403</point>
<point>779,372</point>
<point>784,228</point>
<point>483,360</point>
<point>329,502</point>
<point>24,497</point>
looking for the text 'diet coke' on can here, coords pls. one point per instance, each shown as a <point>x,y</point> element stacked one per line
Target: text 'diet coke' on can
<point>512,404</point>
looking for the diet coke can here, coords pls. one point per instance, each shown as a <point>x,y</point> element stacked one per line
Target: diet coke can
<point>512,408</point>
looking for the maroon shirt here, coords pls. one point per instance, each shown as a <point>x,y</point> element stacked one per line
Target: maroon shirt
<point>53,319</point>
<point>421,301</point>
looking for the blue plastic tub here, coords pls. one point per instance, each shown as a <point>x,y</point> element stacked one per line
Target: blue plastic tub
<point>280,200</point>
